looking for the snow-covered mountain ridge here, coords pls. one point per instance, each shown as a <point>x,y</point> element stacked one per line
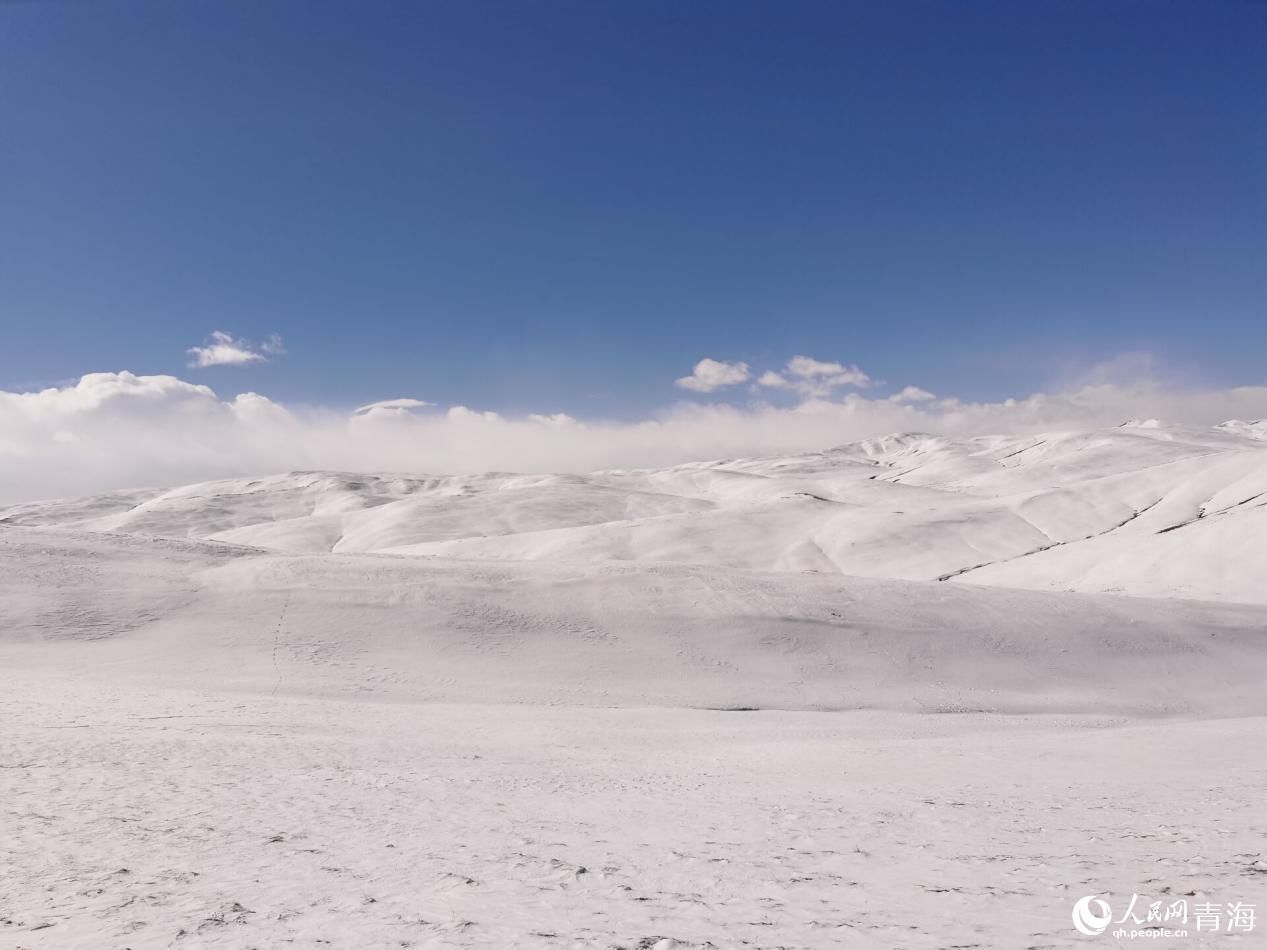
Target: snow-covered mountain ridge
<point>1142,509</point>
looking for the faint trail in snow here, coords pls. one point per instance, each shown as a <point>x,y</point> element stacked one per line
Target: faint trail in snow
<point>277,636</point>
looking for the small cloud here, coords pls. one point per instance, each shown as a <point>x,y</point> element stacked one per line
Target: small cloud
<point>811,377</point>
<point>222,349</point>
<point>390,405</point>
<point>912,394</point>
<point>829,374</point>
<point>710,375</point>
<point>273,345</point>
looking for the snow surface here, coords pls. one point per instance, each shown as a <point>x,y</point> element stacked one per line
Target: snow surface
<point>680,708</point>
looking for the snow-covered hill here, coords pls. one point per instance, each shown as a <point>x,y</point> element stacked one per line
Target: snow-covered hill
<point>1142,509</point>
<point>868,575</point>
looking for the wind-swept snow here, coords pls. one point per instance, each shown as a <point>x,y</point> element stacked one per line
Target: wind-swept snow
<point>154,818</point>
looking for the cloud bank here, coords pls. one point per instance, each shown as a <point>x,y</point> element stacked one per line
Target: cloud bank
<point>116,430</point>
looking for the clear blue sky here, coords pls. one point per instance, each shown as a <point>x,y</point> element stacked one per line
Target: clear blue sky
<point>562,205</point>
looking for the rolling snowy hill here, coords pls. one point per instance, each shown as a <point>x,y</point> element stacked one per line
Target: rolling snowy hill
<point>1142,509</point>
<point>871,575</point>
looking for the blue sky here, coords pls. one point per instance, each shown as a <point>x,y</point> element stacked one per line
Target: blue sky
<point>562,206</point>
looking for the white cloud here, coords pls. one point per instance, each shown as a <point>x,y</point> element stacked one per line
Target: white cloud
<point>222,349</point>
<point>912,394</point>
<point>807,368</point>
<point>711,375</point>
<point>117,430</point>
<point>811,377</point>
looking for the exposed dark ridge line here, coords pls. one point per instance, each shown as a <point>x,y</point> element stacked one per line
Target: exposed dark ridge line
<point>1202,515</point>
<point>890,466</point>
<point>810,494</point>
<point>1055,544</point>
<point>1019,451</point>
<point>894,479</point>
<point>1243,502</point>
<point>977,567</point>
